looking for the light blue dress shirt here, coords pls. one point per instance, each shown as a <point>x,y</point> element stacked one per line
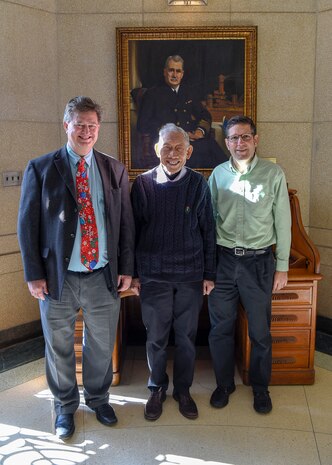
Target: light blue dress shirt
<point>97,196</point>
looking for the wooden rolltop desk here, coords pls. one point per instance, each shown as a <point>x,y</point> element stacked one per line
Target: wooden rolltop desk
<point>293,324</point>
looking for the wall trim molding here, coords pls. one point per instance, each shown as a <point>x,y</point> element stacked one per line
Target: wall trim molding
<point>324,324</point>
<point>20,333</point>
<point>324,335</point>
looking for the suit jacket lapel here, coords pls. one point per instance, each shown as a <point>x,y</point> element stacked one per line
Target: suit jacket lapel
<point>182,94</point>
<point>62,164</point>
<point>106,175</point>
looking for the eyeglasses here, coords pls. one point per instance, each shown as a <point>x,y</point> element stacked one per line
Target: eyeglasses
<point>244,137</point>
<point>81,127</point>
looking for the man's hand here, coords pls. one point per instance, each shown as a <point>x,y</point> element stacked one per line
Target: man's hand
<point>198,134</point>
<point>123,282</point>
<point>208,286</point>
<point>135,286</point>
<point>280,280</point>
<point>38,288</point>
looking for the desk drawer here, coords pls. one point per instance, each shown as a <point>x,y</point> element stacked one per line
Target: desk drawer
<point>293,294</point>
<point>289,359</point>
<point>291,317</point>
<point>290,339</point>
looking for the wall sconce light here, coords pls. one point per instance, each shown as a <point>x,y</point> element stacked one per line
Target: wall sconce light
<point>187,2</point>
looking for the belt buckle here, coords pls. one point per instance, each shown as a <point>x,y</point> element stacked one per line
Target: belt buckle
<point>239,251</point>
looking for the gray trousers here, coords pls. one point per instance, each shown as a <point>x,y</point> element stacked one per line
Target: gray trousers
<point>100,314</point>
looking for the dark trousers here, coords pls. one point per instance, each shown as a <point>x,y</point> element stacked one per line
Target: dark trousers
<point>250,280</point>
<point>165,305</point>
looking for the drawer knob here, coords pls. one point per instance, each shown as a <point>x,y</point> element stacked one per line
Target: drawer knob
<point>285,296</point>
<point>283,361</point>
<point>284,318</point>
<point>281,339</point>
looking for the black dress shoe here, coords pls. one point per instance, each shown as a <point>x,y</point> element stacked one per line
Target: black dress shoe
<point>187,405</point>
<point>154,406</point>
<point>262,402</point>
<point>64,425</point>
<point>220,396</point>
<point>106,415</point>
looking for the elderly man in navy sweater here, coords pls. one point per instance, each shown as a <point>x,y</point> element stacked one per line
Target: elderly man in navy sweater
<point>175,264</point>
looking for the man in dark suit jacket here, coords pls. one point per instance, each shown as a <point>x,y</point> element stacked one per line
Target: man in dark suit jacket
<point>49,232</point>
<point>174,102</point>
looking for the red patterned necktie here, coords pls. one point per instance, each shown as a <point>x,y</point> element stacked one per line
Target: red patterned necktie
<point>89,232</point>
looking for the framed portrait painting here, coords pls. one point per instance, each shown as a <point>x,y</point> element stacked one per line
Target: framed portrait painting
<point>218,68</point>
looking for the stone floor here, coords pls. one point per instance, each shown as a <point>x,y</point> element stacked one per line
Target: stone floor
<point>298,431</point>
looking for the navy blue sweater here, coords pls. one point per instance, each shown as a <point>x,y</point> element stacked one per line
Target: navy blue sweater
<point>175,230</point>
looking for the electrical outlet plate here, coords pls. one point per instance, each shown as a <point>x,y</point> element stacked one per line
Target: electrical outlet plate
<point>11,178</point>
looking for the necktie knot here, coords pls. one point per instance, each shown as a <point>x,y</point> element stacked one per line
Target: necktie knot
<point>81,165</point>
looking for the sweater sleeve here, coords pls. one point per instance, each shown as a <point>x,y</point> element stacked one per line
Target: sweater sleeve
<point>208,231</point>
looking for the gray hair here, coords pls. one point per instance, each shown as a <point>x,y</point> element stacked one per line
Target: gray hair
<point>170,127</point>
<point>175,58</point>
<point>81,104</point>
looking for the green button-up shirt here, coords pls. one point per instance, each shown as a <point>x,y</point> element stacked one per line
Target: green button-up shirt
<point>252,209</point>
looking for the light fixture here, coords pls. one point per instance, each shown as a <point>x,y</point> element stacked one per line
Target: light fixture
<point>187,2</point>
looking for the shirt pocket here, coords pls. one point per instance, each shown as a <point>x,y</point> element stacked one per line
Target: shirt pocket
<point>262,207</point>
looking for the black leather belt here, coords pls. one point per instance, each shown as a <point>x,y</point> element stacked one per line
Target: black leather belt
<point>242,252</point>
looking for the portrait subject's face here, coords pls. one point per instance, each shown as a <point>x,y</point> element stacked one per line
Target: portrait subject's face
<point>173,151</point>
<point>173,74</point>
<point>82,132</point>
<point>241,142</point>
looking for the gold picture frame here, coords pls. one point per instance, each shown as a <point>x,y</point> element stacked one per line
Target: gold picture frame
<point>220,63</point>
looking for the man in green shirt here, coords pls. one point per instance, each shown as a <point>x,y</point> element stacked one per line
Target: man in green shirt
<point>252,212</point>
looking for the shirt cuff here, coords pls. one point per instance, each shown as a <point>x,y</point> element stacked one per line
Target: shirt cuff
<point>282,265</point>
<point>209,276</point>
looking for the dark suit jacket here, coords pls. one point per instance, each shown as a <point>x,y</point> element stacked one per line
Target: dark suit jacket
<point>160,105</point>
<point>48,216</point>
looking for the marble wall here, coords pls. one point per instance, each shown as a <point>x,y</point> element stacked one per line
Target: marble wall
<point>52,50</point>
<point>321,159</point>
<point>29,126</point>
